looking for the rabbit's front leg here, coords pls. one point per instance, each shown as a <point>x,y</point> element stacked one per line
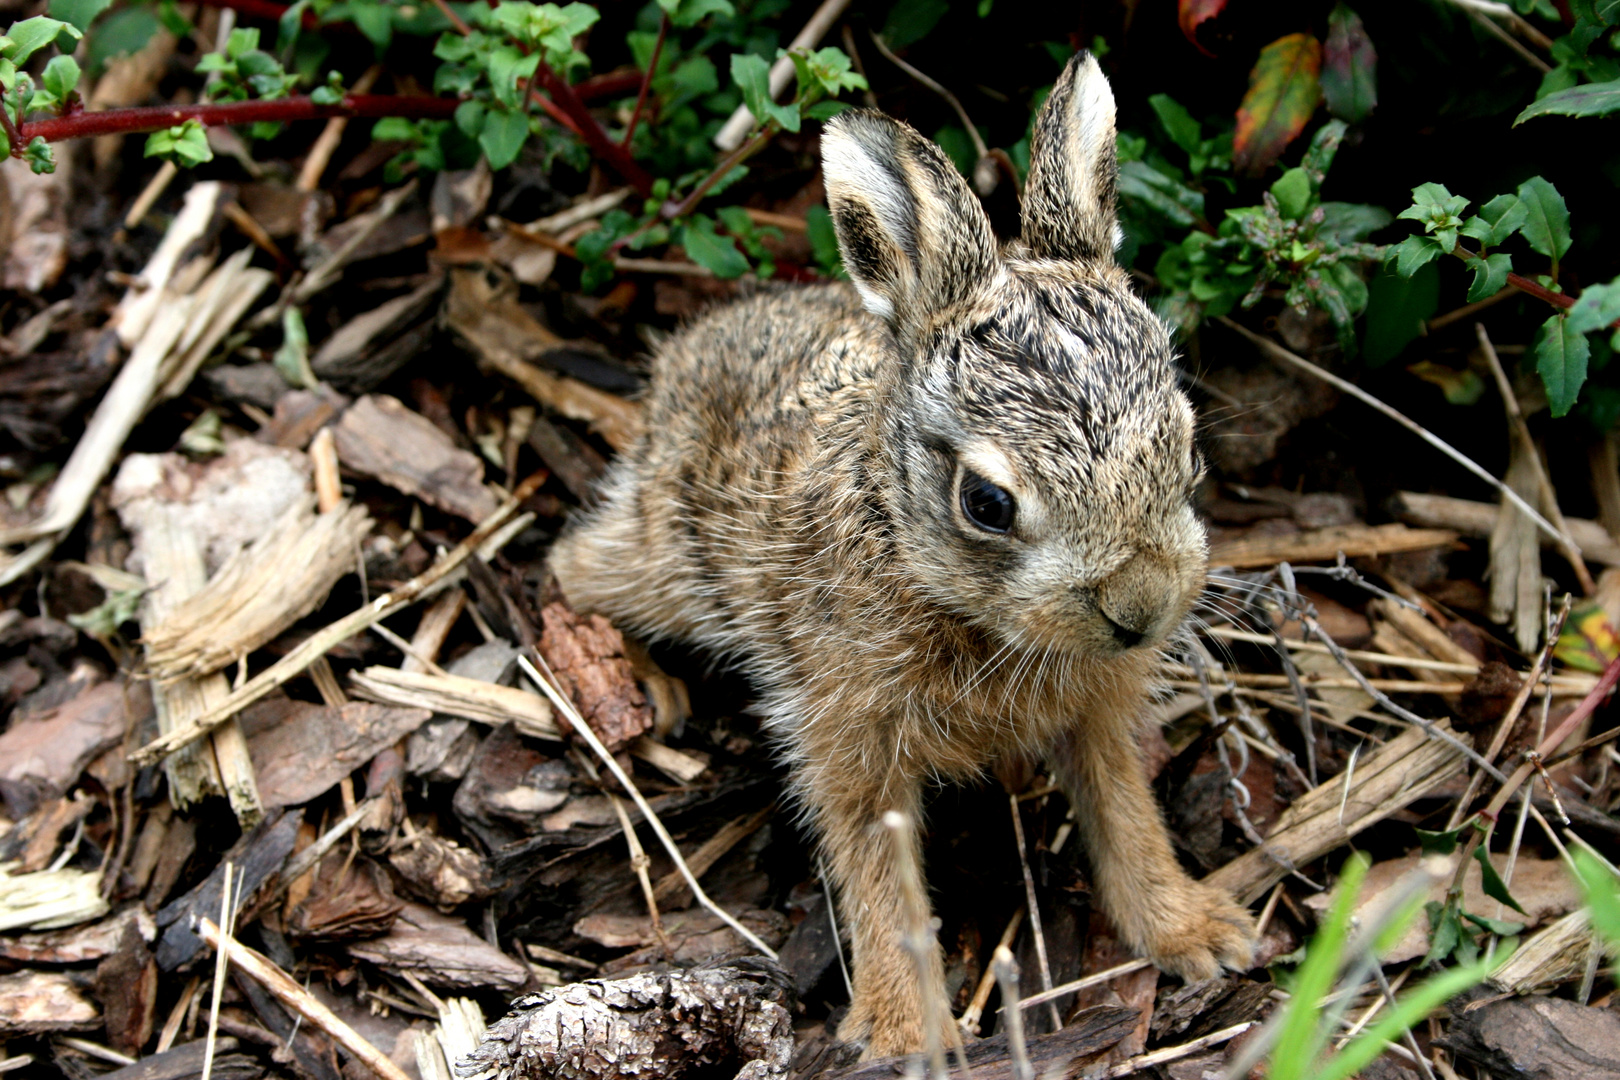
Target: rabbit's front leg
<point>1185,927</point>
<point>848,803</point>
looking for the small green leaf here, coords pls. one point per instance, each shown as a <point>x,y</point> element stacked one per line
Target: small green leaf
<point>1396,310</point>
<point>1546,225</point>
<point>292,359</point>
<point>1499,927</point>
<point>503,136</point>
<point>103,620</point>
<point>1592,99</point>
<point>507,68</point>
<point>1349,67</point>
<point>1440,843</point>
<point>31,35</point>
<point>38,155</point>
<point>691,12</point>
<point>79,13</point>
<point>1348,222</point>
<point>1410,254</point>
<point>1435,206</point>
<point>823,241</point>
<point>61,76</point>
<point>1293,194</point>
<point>1497,220</point>
<point>1445,930</point>
<point>1178,123</point>
<point>1602,894</point>
<point>1490,275</point>
<point>753,77</point>
<point>706,248</point>
<point>1561,356</point>
<point>1595,308</point>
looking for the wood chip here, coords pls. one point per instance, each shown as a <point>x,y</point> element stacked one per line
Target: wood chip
<point>441,951</point>
<point>41,757</point>
<point>588,657</point>
<point>1324,545</point>
<point>1062,1053</point>
<point>453,695</point>
<point>48,899</point>
<point>1536,1038</point>
<point>300,750</point>
<point>378,436</point>
<point>33,1002</point>
<point>80,944</point>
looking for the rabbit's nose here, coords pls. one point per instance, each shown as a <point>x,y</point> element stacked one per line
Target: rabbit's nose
<point>1123,634</point>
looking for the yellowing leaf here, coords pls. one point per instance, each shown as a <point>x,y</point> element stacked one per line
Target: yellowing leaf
<point>1589,640</point>
<point>1284,87</point>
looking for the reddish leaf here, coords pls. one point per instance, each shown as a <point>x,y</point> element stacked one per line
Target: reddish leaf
<point>1190,13</point>
<point>1350,67</point>
<point>1284,88</point>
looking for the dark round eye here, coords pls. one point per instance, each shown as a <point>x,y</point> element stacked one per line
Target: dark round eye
<point>985,504</point>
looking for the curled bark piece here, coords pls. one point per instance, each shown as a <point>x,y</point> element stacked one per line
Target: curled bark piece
<point>665,1025</point>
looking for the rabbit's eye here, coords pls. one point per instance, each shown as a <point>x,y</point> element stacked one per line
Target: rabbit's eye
<point>985,504</point>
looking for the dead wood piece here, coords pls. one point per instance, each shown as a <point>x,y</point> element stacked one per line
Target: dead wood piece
<point>671,890</point>
<point>1196,1009</point>
<point>32,1002</point>
<point>1386,780</point>
<point>80,944</point>
<point>49,899</point>
<point>33,842</point>
<point>1478,519</point>
<point>350,899</point>
<point>1319,545</point>
<point>661,1026</point>
<point>350,357</point>
<point>681,766</point>
<point>511,783</point>
<point>380,437</point>
<point>588,657</point>
<point>300,750</point>
<point>126,984</point>
<point>441,872</point>
<point>299,414</point>
<point>441,951</point>
<point>441,750</point>
<point>262,591</point>
<point>1537,1038</point>
<point>695,936</point>
<point>488,316</point>
<point>141,304</point>
<point>35,228</point>
<point>186,1061</point>
<point>256,856</point>
<point>453,695</point>
<point>41,757</point>
<point>574,461</point>
<point>1063,1053</point>
<point>1557,954</point>
<point>1515,567</point>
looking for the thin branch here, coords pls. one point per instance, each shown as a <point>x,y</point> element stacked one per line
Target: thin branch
<point>646,81</point>
<point>160,117</point>
<point>611,153</point>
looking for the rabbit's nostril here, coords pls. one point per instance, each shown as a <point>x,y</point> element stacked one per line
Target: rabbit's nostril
<point>1125,635</point>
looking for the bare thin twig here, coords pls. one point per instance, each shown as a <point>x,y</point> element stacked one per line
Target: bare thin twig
<point>1012,1014</point>
<point>1033,907</point>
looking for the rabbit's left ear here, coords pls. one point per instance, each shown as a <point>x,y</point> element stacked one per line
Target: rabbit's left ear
<point>1069,198</point>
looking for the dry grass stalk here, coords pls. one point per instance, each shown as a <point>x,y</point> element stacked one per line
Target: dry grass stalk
<point>221,301</point>
<point>639,862</point>
<point>583,730</point>
<point>918,939</point>
<point>259,592</point>
<point>1032,905</point>
<point>1142,1062</point>
<point>1385,780</point>
<point>1478,519</point>
<point>1096,979</point>
<point>680,767</point>
<point>455,695</point>
<point>1319,545</point>
<point>424,584</point>
<point>1012,1014</point>
<point>969,1020</point>
<point>227,919</point>
<point>295,997</point>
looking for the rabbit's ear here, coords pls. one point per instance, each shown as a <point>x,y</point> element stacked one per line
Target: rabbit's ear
<point>913,236</point>
<point>1073,169</point>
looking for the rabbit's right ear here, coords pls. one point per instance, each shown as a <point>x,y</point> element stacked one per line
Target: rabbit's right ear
<point>1073,169</point>
<point>912,234</point>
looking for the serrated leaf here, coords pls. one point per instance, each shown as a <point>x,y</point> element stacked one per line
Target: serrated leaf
<point>1349,67</point>
<point>1491,881</point>
<point>1177,122</point>
<point>1596,308</point>
<point>31,35</point>
<point>706,248</point>
<point>1561,356</point>
<point>1499,927</point>
<point>1592,99</point>
<point>1284,87</point>
<point>753,77</point>
<point>1546,223</point>
<point>502,136</point>
<point>1435,206</point>
<point>1440,843</point>
<point>1190,14</point>
<point>1347,222</point>
<point>1490,275</point>
<point>1412,253</point>
<point>1497,220</point>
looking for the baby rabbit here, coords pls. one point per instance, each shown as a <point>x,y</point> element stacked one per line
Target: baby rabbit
<point>937,518</point>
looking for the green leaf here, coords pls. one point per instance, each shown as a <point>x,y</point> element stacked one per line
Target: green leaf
<point>1166,196</point>
<point>912,20</point>
<point>1602,894</point>
<point>822,111</point>
<point>1490,275</point>
<point>1412,1008</point>
<point>691,12</point>
<point>503,136</point>
<point>1497,220</point>
<point>31,35</point>
<point>507,66</point>
<point>1300,1036</point>
<point>1396,311</point>
<point>38,155</point>
<point>1178,123</point>
<point>375,21</point>
<point>78,13</point>
<point>1595,308</point>
<point>1348,222</point>
<point>1592,99</point>
<point>1435,206</point>
<point>1412,253</point>
<point>103,620</point>
<point>292,359</point>
<point>753,77</point>
<point>1499,927</point>
<point>1561,356</point>
<point>1440,843</point>
<point>185,144</point>
<point>61,75</point>
<point>124,31</point>
<point>1283,90</point>
<point>823,241</point>
<point>1349,67</point>
<point>1546,225</point>
<point>706,248</point>
<point>1293,194</point>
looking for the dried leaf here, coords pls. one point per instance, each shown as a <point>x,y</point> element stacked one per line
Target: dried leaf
<point>1589,640</point>
<point>1191,14</point>
<point>1283,90</point>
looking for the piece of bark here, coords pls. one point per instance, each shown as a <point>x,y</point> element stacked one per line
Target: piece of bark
<point>441,750</point>
<point>350,357</point>
<point>1061,1054</point>
<point>39,394</point>
<point>35,231</point>
<point>1193,1010</point>
<point>33,1002</point>
<point>1537,1038</point>
<point>695,936</point>
<point>811,950</point>
<point>186,1061</point>
<point>379,437</point>
<point>256,856</point>
<point>33,842</point>
<point>663,1026</point>
<point>300,750</point>
<point>1385,781</point>
<point>587,655</point>
<point>571,458</point>
<point>1324,545</point>
<point>80,944</point>
<point>252,384</point>
<point>42,757</point>
<point>351,898</point>
<point>441,871</point>
<point>441,951</point>
<point>509,783</point>
<point>126,984</point>
<point>179,844</point>
<point>1554,954</point>
<point>299,414</point>
<point>453,695</point>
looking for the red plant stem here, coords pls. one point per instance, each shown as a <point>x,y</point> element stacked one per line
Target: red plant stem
<point>1524,284</point>
<point>263,9</point>
<point>611,84</point>
<point>611,153</point>
<point>156,118</point>
<point>646,80</point>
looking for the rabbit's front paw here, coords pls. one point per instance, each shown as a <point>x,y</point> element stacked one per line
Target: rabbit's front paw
<point>1199,931</point>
